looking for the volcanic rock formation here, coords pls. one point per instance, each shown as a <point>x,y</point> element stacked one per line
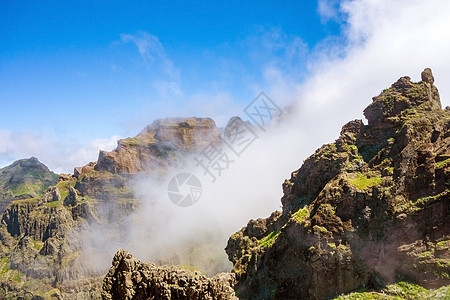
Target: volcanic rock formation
<point>130,278</point>
<point>371,208</point>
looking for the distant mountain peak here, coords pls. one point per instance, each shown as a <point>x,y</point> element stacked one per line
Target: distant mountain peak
<point>26,177</point>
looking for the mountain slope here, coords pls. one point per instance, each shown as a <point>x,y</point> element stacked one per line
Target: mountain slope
<point>371,208</point>
<point>41,234</point>
<point>25,178</point>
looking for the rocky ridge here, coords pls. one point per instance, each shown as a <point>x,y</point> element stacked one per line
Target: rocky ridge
<point>370,209</point>
<point>40,252</point>
<point>130,278</point>
<point>153,148</point>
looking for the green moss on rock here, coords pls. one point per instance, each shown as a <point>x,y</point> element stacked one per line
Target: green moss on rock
<point>302,215</point>
<point>270,239</point>
<point>363,183</point>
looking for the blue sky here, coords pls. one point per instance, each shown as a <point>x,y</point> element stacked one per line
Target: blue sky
<point>77,75</point>
<point>74,66</point>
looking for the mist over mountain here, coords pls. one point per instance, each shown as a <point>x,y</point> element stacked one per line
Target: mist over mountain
<point>252,150</point>
<point>366,211</point>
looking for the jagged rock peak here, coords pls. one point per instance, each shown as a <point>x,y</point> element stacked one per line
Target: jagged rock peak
<point>402,98</point>
<point>52,194</point>
<point>427,76</point>
<point>368,210</point>
<point>129,278</point>
<point>71,198</point>
<point>79,171</point>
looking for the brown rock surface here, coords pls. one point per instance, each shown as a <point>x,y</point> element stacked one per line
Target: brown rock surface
<point>156,146</point>
<point>79,171</point>
<point>129,278</point>
<point>371,208</point>
<point>51,195</point>
<point>41,233</point>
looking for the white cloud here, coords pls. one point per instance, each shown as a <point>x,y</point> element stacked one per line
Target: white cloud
<point>151,51</point>
<point>61,156</point>
<point>328,10</point>
<point>386,40</point>
<point>167,89</point>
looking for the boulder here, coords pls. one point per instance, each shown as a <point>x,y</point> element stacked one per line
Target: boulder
<point>51,195</point>
<point>71,198</point>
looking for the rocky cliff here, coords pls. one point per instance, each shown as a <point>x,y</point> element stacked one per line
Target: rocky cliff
<point>130,278</point>
<point>369,209</point>
<point>157,145</point>
<point>44,214</point>
<point>156,148</point>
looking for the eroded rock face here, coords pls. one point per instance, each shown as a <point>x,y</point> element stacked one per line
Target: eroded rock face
<point>71,198</point>
<point>49,222</point>
<point>156,146</point>
<point>79,171</point>
<point>41,232</point>
<point>369,209</point>
<point>129,278</point>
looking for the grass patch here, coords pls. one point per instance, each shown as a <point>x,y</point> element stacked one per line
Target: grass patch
<point>301,215</point>
<point>320,228</point>
<point>64,186</point>
<point>351,148</point>
<point>405,289</point>
<point>27,188</point>
<point>52,204</point>
<point>426,254</point>
<point>37,244</point>
<point>389,170</point>
<point>363,183</point>
<point>25,201</point>
<point>326,151</point>
<point>443,245</point>
<point>269,240</point>
<point>424,200</point>
<point>400,291</point>
<point>442,164</point>
<point>136,141</point>
<point>8,274</point>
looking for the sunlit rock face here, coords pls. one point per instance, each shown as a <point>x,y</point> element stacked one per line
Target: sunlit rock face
<point>155,147</point>
<point>371,208</point>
